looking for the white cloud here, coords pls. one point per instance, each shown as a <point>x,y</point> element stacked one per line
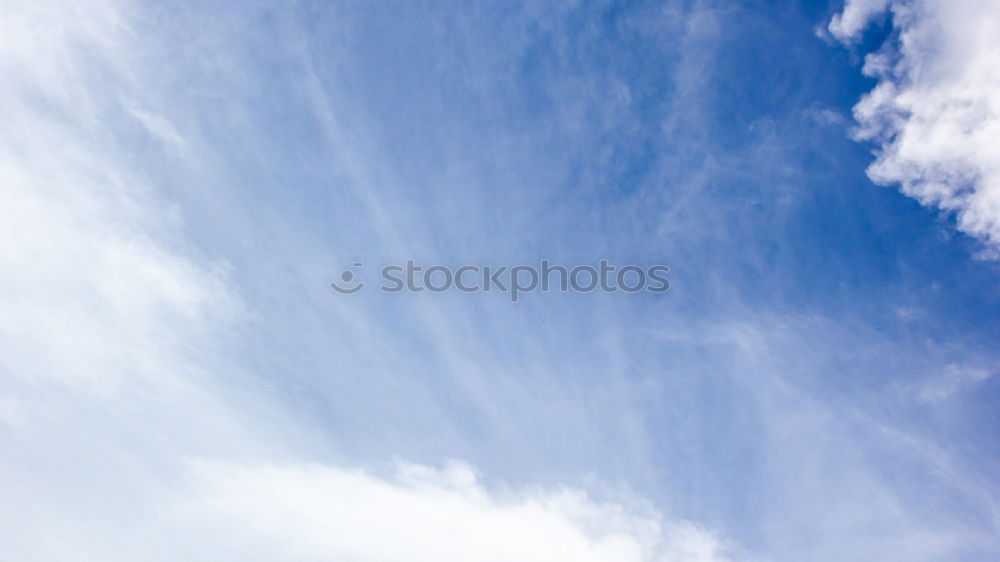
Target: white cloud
<point>97,287</point>
<point>158,125</point>
<point>935,112</point>
<point>101,296</point>
<point>417,514</point>
<point>856,16</point>
<point>954,379</point>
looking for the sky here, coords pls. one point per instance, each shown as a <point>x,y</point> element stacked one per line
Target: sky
<point>180,182</point>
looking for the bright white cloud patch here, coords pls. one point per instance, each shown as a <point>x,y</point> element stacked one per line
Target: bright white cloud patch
<point>315,512</point>
<point>935,112</point>
<point>856,16</point>
<point>97,288</point>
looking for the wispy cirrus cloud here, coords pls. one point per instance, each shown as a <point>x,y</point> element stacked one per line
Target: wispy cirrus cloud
<point>117,363</point>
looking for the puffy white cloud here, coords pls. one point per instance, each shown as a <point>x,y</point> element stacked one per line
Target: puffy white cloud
<point>415,514</point>
<point>856,16</point>
<point>935,112</point>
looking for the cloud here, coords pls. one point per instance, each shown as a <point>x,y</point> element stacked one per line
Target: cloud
<point>954,379</point>
<point>125,128</point>
<point>856,15</point>
<point>99,288</point>
<point>109,320</point>
<point>158,125</point>
<point>935,112</point>
<point>416,514</point>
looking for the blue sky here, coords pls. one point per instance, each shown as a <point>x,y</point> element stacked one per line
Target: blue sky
<point>185,179</point>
